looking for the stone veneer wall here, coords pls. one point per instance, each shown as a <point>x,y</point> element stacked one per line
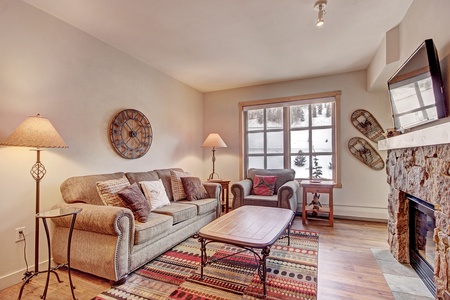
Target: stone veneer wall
<point>423,172</point>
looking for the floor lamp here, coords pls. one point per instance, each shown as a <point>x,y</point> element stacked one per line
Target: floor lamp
<point>36,132</point>
<point>213,141</point>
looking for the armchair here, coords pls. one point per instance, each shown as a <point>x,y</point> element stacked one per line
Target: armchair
<point>285,195</point>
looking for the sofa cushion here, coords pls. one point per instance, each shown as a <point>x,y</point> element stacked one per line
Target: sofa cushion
<point>194,188</point>
<point>156,224</point>
<point>179,211</point>
<point>177,185</point>
<point>155,193</point>
<point>84,188</point>
<point>203,205</point>
<point>283,175</point>
<point>108,190</point>
<point>133,199</point>
<point>264,185</point>
<point>142,176</point>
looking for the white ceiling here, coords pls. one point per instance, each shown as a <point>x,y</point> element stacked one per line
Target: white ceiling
<point>220,44</point>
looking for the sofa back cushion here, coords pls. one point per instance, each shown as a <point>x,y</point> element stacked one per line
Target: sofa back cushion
<point>142,176</point>
<point>283,175</point>
<point>84,188</point>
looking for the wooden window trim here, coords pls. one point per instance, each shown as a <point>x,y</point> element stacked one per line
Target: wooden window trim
<point>248,104</point>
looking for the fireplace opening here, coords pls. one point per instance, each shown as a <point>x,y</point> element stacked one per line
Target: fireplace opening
<point>421,245</point>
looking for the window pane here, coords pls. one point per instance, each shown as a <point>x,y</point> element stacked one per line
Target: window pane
<point>275,162</point>
<point>299,116</point>
<point>255,119</point>
<point>275,142</point>
<point>321,114</point>
<point>256,162</point>
<point>299,141</point>
<point>255,143</point>
<point>300,164</point>
<point>322,140</point>
<point>324,161</point>
<point>274,118</point>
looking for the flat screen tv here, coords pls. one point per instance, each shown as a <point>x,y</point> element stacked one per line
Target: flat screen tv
<point>416,90</point>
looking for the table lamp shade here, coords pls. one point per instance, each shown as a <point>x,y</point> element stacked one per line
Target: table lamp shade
<point>35,131</point>
<point>214,141</point>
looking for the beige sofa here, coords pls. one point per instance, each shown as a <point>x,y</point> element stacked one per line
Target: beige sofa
<point>108,242</point>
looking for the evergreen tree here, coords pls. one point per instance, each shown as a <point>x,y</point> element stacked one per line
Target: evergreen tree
<point>314,112</point>
<point>316,169</point>
<point>300,159</point>
<point>328,112</point>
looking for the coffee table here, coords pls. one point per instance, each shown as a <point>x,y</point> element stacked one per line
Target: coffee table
<point>248,227</point>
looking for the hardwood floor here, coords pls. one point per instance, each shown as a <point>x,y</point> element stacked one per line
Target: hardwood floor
<point>347,267</point>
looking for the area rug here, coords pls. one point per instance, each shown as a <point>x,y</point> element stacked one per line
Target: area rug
<point>291,273</point>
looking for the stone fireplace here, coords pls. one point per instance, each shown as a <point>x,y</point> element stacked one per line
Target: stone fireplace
<point>422,172</point>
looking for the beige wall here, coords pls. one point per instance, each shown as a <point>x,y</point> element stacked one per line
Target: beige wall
<point>363,192</point>
<point>79,83</point>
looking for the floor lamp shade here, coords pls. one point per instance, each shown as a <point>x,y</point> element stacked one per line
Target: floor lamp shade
<point>36,132</point>
<point>213,141</point>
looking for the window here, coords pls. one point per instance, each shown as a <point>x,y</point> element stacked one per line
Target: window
<point>297,132</point>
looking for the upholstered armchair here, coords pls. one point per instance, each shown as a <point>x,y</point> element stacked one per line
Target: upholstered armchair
<point>255,189</point>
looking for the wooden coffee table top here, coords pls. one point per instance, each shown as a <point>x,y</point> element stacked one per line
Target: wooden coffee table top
<point>249,226</point>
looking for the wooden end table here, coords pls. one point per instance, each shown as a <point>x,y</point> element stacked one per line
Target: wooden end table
<point>323,187</point>
<point>248,227</point>
<point>225,190</point>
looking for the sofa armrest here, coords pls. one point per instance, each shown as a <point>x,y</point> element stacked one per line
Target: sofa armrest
<point>214,191</point>
<point>98,218</point>
<point>287,195</point>
<point>240,190</point>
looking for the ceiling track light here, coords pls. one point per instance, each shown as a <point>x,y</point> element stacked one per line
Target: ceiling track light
<point>320,7</point>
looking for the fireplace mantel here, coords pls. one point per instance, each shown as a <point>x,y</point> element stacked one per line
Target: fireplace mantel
<point>433,135</point>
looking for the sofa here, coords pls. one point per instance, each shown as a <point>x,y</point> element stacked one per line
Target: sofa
<point>285,190</point>
<point>108,242</point>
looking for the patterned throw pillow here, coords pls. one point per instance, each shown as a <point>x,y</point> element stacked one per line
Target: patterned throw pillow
<point>194,188</point>
<point>264,185</point>
<point>108,190</point>
<point>133,199</point>
<point>155,193</point>
<point>177,185</point>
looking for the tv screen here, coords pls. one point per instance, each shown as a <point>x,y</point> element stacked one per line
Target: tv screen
<point>416,90</point>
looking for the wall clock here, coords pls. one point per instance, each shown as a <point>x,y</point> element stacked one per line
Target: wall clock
<point>131,133</point>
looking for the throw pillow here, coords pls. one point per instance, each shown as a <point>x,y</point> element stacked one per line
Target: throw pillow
<point>264,185</point>
<point>108,190</point>
<point>133,199</point>
<point>194,188</point>
<point>177,185</point>
<point>155,193</point>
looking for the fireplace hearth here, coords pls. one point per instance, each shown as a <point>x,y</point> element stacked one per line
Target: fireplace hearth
<point>421,245</point>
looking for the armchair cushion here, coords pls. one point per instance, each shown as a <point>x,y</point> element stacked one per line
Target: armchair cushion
<point>283,175</point>
<point>264,185</point>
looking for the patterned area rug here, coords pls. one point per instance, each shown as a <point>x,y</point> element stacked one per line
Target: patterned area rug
<point>291,273</point>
